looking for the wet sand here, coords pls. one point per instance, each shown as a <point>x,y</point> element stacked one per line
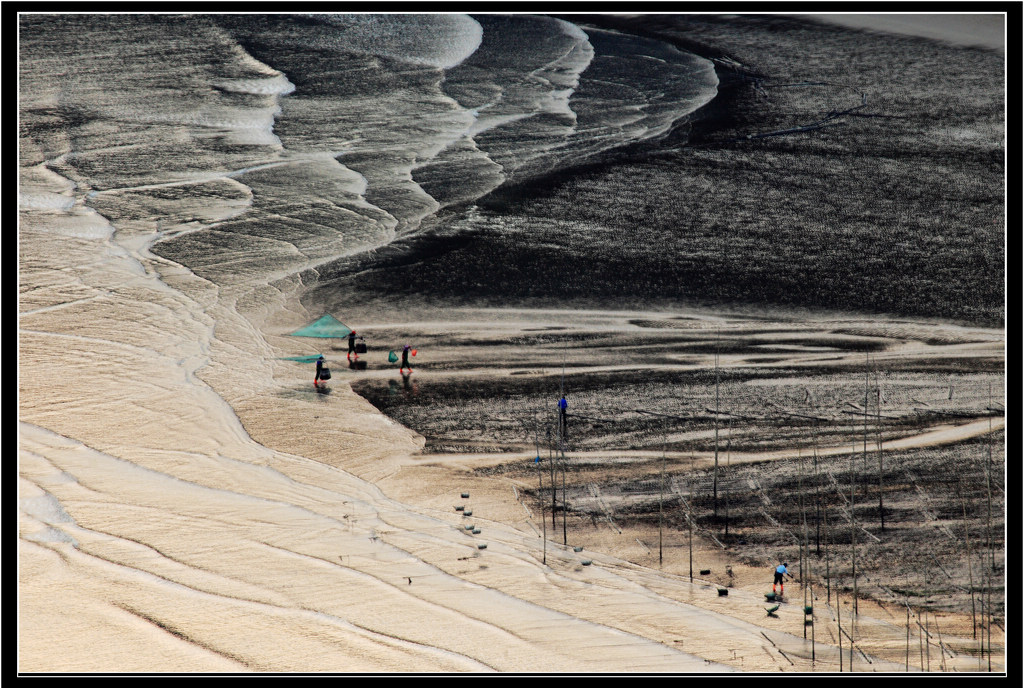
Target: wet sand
<point>234,518</point>
<point>190,503</point>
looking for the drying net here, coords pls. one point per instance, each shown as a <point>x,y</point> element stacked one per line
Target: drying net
<point>327,327</point>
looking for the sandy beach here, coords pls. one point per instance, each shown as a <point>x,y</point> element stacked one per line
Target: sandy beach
<point>189,502</point>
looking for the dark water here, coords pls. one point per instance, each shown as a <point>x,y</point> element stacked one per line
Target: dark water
<point>495,158</point>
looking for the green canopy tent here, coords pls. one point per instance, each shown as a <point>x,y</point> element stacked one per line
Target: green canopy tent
<point>327,327</point>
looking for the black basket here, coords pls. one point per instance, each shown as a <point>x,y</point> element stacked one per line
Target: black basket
<point>360,347</point>
<point>325,373</point>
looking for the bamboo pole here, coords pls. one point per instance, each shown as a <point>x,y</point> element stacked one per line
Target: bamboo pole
<point>878,436</point>
<point>981,641</point>
<point>828,561</point>
<point>661,512</point>
<point>565,503</point>
<point>991,569</point>
<point>987,608</point>
<point>970,567</point>
<point>689,517</point>
<point>800,504</point>
<point>908,634</point>
<point>540,490</point>
<point>561,445</point>
<point>921,647</point>
<point>803,546</point>
<point>715,480</point>
<point>850,638</point>
<point>839,625</point>
<point>817,496</point>
<point>554,488</point>
<point>927,644</point>
<point>853,532</point>
<point>728,470</point>
<point>813,641</point>
<point>866,385</point>
<point>942,649</point>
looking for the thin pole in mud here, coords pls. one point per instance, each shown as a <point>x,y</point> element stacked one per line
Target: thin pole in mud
<point>981,641</point>
<point>986,614</point>
<point>661,512</point>
<point>728,470</point>
<point>927,644</point>
<point>970,567</point>
<point>554,489</point>
<point>805,590</point>
<point>543,519</point>
<point>689,516</point>
<point>853,526</point>
<point>878,435</point>
<point>817,496</point>
<point>988,486</point>
<point>921,643</point>
<point>805,553</point>
<point>942,648</point>
<point>565,504</point>
<point>850,638</point>
<point>715,480</point>
<point>839,625</point>
<point>813,641</point>
<point>907,603</point>
<point>991,569</point>
<point>540,485</point>
<point>800,499</point>
<point>561,446</point>
<point>828,572</point>
<point>866,385</point>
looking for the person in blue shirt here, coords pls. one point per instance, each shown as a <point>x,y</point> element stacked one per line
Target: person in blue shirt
<point>781,571</point>
<point>564,423</point>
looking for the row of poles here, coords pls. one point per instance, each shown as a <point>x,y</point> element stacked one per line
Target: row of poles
<point>804,560</point>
